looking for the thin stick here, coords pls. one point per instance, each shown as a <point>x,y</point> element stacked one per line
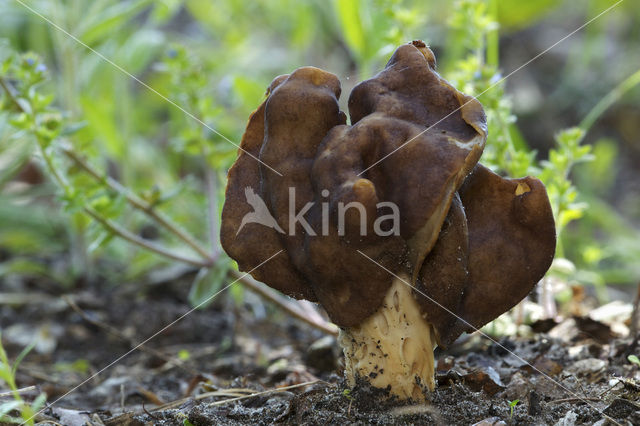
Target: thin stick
<point>225,392</point>
<point>141,205</point>
<point>228,391</point>
<point>268,392</point>
<point>609,99</point>
<point>246,281</point>
<point>559,401</point>
<point>210,181</point>
<point>134,239</point>
<point>208,259</point>
<point>10,94</point>
<point>17,391</point>
<point>267,293</point>
<point>609,389</point>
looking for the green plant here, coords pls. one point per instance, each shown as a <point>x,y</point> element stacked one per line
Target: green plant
<point>26,410</point>
<point>512,407</point>
<point>85,191</point>
<point>633,359</point>
<point>474,68</point>
<point>132,165</point>
<point>476,72</point>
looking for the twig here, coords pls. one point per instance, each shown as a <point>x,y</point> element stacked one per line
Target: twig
<point>207,260</point>
<point>227,392</point>
<point>210,181</point>
<point>10,94</point>
<point>115,332</point>
<point>134,239</point>
<point>559,401</point>
<point>609,389</point>
<point>269,294</point>
<point>246,281</point>
<point>40,419</point>
<point>18,391</point>
<point>268,392</point>
<point>148,413</point>
<point>141,205</point>
<point>609,418</point>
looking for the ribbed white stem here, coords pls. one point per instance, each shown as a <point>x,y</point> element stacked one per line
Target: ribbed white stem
<point>393,347</point>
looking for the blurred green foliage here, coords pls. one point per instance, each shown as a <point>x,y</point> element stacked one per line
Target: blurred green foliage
<point>26,411</point>
<point>93,127</point>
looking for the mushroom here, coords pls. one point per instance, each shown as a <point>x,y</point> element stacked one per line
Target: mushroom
<point>389,223</point>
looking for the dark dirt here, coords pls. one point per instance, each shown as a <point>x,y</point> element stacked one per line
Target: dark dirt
<point>565,376</point>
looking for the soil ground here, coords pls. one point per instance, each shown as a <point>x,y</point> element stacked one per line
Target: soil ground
<point>203,369</point>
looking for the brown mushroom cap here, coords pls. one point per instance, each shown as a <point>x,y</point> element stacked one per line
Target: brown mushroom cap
<point>505,248</point>
<point>255,243</point>
<point>444,275</point>
<point>512,241</point>
<point>413,141</point>
<point>416,136</point>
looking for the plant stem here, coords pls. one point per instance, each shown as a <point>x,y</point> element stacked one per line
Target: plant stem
<point>133,199</point>
<point>609,99</point>
<point>139,241</point>
<point>207,260</point>
<point>493,37</point>
<point>141,205</point>
<point>260,289</point>
<point>267,293</point>
<point>12,96</point>
<point>210,181</point>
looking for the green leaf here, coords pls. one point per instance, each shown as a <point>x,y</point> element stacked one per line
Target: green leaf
<point>38,402</point>
<point>24,267</point>
<point>73,128</point>
<point>250,92</point>
<point>81,366</point>
<point>164,10</point>
<point>207,283</point>
<point>237,293</point>
<point>104,24</point>
<point>569,215</point>
<point>102,125</point>
<point>7,407</point>
<point>351,24</point>
<point>520,14</point>
<point>21,356</point>
<point>21,121</point>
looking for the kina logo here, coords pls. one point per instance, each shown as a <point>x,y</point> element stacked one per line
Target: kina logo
<point>298,222</point>
<point>260,213</point>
